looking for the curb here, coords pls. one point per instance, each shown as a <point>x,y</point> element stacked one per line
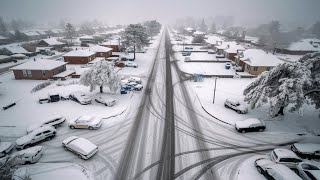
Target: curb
<point>120,112</point>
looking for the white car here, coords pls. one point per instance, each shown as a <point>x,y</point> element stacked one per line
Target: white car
<point>249,125</point>
<point>275,171</point>
<point>36,136</point>
<point>236,106</point>
<point>80,97</point>
<point>30,155</point>
<point>285,157</point>
<point>307,150</point>
<point>107,101</point>
<point>53,121</point>
<point>85,122</point>
<point>308,171</point>
<point>5,148</point>
<point>80,146</point>
<point>131,64</point>
<point>135,79</point>
<point>138,87</point>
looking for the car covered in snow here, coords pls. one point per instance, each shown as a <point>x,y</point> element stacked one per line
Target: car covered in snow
<point>85,122</point>
<point>107,101</point>
<point>285,157</point>
<point>275,171</point>
<point>188,47</point>
<point>131,64</point>
<point>5,148</point>
<point>187,53</point>
<point>52,121</point>
<point>80,146</point>
<point>36,136</point>
<point>135,79</point>
<point>250,125</point>
<point>80,97</point>
<point>307,150</point>
<point>29,155</point>
<point>236,106</point>
<point>133,86</point>
<point>308,171</point>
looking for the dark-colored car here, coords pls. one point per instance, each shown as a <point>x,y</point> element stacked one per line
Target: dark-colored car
<point>307,150</point>
<point>250,125</point>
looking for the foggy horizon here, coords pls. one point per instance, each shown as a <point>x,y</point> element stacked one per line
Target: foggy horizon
<point>245,13</point>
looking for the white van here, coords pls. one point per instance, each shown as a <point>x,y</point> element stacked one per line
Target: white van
<point>30,155</point>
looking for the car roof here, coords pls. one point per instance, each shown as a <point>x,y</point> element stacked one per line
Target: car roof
<point>30,151</point>
<point>285,153</point>
<point>248,122</point>
<point>82,145</point>
<point>86,118</point>
<point>307,147</point>
<point>284,171</point>
<point>43,128</point>
<point>233,101</point>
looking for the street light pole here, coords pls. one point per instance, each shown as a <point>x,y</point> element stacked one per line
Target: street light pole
<point>215,87</point>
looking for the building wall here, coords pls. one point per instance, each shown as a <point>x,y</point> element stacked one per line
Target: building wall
<point>78,60</point>
<point>104,54</point>
<point>256,70</point>
<point>231,56</point>
<point>39,74</point>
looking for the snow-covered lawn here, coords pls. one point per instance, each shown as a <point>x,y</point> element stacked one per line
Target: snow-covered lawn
<point>233,88</point>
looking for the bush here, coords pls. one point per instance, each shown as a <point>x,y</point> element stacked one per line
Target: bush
<point>41,86</point>
<point>198,39</point>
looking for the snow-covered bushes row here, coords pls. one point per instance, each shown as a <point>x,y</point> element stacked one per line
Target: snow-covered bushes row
<point>41,86</point>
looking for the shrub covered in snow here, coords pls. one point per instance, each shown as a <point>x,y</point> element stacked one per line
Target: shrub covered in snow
<point>41,86</point>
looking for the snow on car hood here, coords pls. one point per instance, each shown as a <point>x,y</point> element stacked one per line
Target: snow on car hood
<point>247,122</point>
<point>5,146</point>
<point>307,147</point>
<point>82,145</point>
<point>24,139</point>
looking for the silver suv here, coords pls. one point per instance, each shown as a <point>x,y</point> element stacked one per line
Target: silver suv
<point>236,106</point>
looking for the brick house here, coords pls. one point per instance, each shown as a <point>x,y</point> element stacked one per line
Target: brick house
<point>232,51</point>
<point>256,61</point>
<point>301,47</point>
<point>115,44</point>
<point>39,69</point>
<point>101,51</point>
<point>51,42</point>
<point>79,56</point>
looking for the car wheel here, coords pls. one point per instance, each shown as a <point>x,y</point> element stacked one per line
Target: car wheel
<point>259,170</point>
<point>48,139</point>
<point>226,106</point>
<point>239,112</point>
<point>27,162</point>
<point>26,146</point>
<point>243,131</point>
<point>261,130</point>
<point>79,155</point>
<point>72,127</point>
<point>90,128</point>
<point>65,147</point>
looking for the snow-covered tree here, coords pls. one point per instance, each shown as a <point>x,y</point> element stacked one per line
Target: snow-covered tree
<point>3,26</point>
<point>203,26</point>
<point>287,85</point>
<point>11,164</point>
<point>198,39</point>
<point>101,74</point>
<point>70,31</point>
<point>213,28</point>
<point>153,27</point>
<point>135,35</point>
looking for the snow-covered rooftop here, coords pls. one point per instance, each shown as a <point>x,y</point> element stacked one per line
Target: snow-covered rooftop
<point>234,48</point>
<point>52,41</point>
<point>226,45</point>
<point>40,64</point>
<point>199,33</point>
<point>80,53</point>
<point>257,57</point>
<point>305,45</point>
<point>213,39</point>
<point>86,37</point>
<point>1,37</point>
<point>16,49</point>
<point>111,42</point>
<point>98,48</point>
<point>251,39</point>
<point>31,33</point>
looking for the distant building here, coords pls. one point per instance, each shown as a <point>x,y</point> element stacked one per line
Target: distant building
<point>4,40</point>
<point>256,61</point>
<point>5,59</point>
<point>232,50</point>
<point>51,42</point>
<point>115,44</point>
<point>87,39</point>
<point>79,56</point>
<point>101,51</point>
<point>14,49</point>
<point>32,35</point>
<point>301,47</point>
<point>38,69</point>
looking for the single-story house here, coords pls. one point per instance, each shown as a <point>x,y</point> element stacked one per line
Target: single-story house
<point>4,40</point>
<point>79,56</point>
<point>220,49</point>
<point>40,69</point>
<point>14,49</point>
<point>256,61</point>
<point>51,42</point>
<point>32,35</point>
<point>115,44</point>
<point>232,51</point>
<point>101,51</point>
<point>5,59</point>
<point>86,39</point>
<point>301,47</point>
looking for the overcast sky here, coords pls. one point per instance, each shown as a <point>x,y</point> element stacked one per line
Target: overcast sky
<point>304,12</point>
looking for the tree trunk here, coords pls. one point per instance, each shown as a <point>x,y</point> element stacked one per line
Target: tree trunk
<point>280,112</point>
<point>101,89</point>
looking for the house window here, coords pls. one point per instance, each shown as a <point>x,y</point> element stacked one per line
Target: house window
<point>24,72</point>
<point>29,73</point>
<point>43,73</point>
<point>269,68</point>
<point>255,69</point>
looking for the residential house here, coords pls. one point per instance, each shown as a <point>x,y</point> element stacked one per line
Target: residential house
<point>256,61</point>
<point>40,69</point>
<point>32,35</point>
<point>79,56</point>
<point>214,41</point>
<point>86,39</point>
<point>220,49</point>
<point>14,49</point>
<point>5,59</point>
<point>51,42</point>
<point>301,47</point>
<point>4,40</point>
<point>101,51</point>
<point>115,44</point>
<point>232,51</point>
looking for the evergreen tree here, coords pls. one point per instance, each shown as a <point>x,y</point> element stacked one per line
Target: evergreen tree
<point>70,31</point>
<point>203,27</point>
<point>3,26</point>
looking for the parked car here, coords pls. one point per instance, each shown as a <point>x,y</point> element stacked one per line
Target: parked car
<point>307,150</point>
<point>120,64</point>
<point>135,79</point>
<point>275,171</point>
<point>80,146</point>
<point>29,155</point>
<point>308,171</point>
<point>187,47</point>
<point>36,136</point>
<point>85,122</point>
<point>52,121</point>
<point>138,87</point>
<point>188,53</point>
<point>133,86</point>
<point>123,90</point>
<point>107,101</point>
<point>131,64</point>
<point>227,65</point>
<point>250,125</point>
<point>235,105</point>
<point>285,157</point>
<point>80,97</point>
<point>5,148</point>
